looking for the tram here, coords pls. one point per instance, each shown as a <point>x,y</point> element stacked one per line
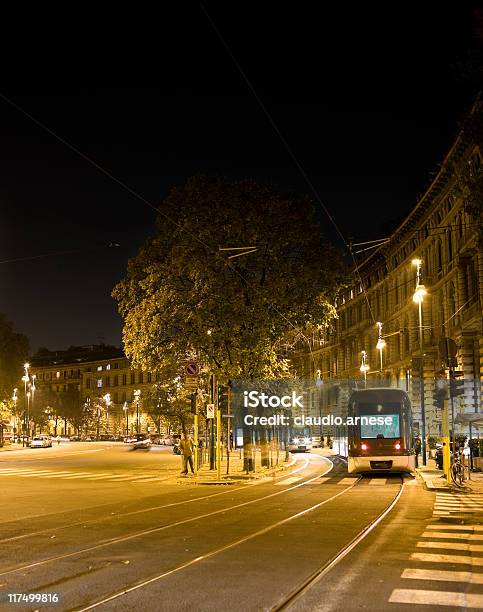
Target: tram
<point>377,436</point>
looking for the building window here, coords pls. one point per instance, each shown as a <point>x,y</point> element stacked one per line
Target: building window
<point>108,381</point>
<point>88,383</point>
<point>124,379</point>
<point>108,366</point>
<point>116,381</point>
<point>57,374</point>
<point>99,382</point>
<point>115,397</point>
<point>141,377</point>
<point>116,366</point>
<point>133,379</point>
<point>149,377</point>
<point>123,396</point>
<point>99,368</point>
<point>439,257</point>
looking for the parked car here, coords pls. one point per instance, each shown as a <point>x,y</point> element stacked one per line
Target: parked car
<point>41,441</point>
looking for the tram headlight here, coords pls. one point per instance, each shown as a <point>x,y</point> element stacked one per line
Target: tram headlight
<point>364,446</point>
<point>397,446</point>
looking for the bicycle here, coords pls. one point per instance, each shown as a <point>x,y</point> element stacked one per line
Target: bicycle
<point>459,470</point>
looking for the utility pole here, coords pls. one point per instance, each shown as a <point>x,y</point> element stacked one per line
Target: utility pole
<point>194,409</point>
<point>212,432</point>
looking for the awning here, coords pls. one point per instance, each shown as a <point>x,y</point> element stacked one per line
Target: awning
<point>470,418</point>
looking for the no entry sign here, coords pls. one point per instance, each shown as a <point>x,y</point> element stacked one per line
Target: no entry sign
<point>192,368</point>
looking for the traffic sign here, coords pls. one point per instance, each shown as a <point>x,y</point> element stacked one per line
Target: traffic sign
<point>210,411</point>
<point>192,368</point>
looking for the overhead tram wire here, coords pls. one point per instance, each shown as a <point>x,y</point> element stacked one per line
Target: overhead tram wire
<point>57,253</point>
<point>287,147</point>
<point>152,206</point>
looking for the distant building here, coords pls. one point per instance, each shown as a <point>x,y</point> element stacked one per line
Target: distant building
<point>444,231</point>
<point>100,380</point>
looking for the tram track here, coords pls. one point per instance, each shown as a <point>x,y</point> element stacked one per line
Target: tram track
<point>147,532</point>
<point>212,553</point>
<point>119,515</point>
<point>310,582</point>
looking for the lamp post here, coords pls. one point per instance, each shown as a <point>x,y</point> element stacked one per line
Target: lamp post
<point>381,343</point>
<point>126,410</point>
<point>15,417</point>
<point>32,390</point>
<point>364,367</point>
<point>418,298</point>
<point>107,399</point>
<point>25,379</point>
<point>136,394</point>
<point>98,417</point>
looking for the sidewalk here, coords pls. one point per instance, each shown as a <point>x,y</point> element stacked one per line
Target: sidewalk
<point>236,472</point>
<point>434,481</point>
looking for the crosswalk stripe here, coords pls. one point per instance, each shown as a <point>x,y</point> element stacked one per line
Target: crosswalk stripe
<point>80,475</point>
<point>435,558</point>
<point>378,481</point>
<point>346,481</point>
<point>443,575</point>
<point>452,536</point>
<point>451,546</point>
<point>30,473</point>
<point>437,598</point>
<point>455,527</point>
<point>288,480</point>
<point>57,475</point>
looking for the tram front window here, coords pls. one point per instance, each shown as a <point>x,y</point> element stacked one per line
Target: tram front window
<point>371,427</point>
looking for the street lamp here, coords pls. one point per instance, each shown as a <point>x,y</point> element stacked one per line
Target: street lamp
<point>381,343</point>
<point>364,367</point>
<point>32,389</point>
<point>15,417</point>
<point>107,399</point>
<point>418,298</point>
<point>136,394</point>
<point>126,410</point>
<point>25,379</point>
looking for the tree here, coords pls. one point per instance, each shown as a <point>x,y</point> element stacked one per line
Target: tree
<point>13,354</point>
<point>183,297</point>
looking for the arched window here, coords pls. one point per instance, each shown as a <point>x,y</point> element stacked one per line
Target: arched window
<point>449,242</point>
<point>439,256</point>
<point>451,303</point>
<point>406,336</point>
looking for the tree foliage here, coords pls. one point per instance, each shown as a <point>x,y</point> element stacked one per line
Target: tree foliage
<point>13,354</point>
<point>183,297</point>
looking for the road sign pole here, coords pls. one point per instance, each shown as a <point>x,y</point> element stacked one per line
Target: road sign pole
<point>196,437</point>
<point>218,443</point>
<point>446,448</point>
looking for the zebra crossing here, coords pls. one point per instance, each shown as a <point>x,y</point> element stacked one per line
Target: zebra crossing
<point>348,480</point>
<point>80,476</point>
<point>449,504</point>
<point>446,568</point>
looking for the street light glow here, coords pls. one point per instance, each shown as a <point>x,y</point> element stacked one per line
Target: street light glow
<point>419,294</point>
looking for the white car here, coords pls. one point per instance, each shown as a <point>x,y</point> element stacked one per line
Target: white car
<point>300,444</point>
<point>41,442</point>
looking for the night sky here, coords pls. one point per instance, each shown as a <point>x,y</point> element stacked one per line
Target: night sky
<point>368,102</point>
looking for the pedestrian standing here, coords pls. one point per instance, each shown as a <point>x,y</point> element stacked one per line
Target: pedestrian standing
<point>186,448</point>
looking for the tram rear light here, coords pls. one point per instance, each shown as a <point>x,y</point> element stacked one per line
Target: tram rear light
<point>397,446</point>
<point>363,446</point>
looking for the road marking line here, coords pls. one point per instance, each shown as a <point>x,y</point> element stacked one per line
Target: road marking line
<point>288,481</point>
<point>378,481</point>
<point>452,536</point>
<point>437,598</point>
<point>455,527</point>
<point>79,475</point>
<point>434,558</point>
<point>28,473</point>
<point>443,575</point>
<point>452,546</point>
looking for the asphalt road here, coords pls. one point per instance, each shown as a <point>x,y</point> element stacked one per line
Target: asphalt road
<point>102,527</point>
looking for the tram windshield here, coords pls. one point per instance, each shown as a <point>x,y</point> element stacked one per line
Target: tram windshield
<point>380,420</point>
<point>372,427</point>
